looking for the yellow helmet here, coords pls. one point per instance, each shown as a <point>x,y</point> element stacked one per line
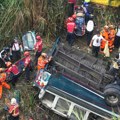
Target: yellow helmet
<point>87,1</point>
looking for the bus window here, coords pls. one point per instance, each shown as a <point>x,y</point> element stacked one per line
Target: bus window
<point>48,99</point>
<point>77,113</point>
<point>62,106</point>
<point>92,116</point>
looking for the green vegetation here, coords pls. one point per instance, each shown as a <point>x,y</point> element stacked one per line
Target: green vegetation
<point>43,16</point>
<point>19,16</point>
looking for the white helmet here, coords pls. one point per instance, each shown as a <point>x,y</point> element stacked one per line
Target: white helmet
<point>13,101</point>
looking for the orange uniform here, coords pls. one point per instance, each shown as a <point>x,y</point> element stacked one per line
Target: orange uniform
<point>105,34</point>
<point>42,62</point>
<point>111,39</point>
<point>3,83</point>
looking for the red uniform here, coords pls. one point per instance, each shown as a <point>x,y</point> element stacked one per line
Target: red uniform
<point>27,61</point>
<point>13,69</point>
<point>14,110</point>
<point>38,46</point>
<point>71,27</point>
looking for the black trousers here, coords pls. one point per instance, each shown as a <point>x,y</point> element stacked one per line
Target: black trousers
<point>16,55</point>
<point>89,37</point>
<point>95,50</point>
<point>36,56</point>
<point>70,9</point>
<point>70,38</point>
<point>13,118</point>
<point>117,42</point>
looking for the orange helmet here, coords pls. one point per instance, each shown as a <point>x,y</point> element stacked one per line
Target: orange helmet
<point>74,16</point>
<point>26,53</point>
<point>8,64</point>
<point>70,19</point>
<point>38,37</point>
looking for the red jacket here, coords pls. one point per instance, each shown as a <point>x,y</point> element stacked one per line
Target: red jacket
<point>14,69</point>
<point>71,27</point>
<point>72,1</point>
<point>14,110</point>
<point>38,46</point>
<point>27,61</point>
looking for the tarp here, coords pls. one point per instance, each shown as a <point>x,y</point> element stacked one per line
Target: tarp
<point>29,40</point>
<point>115,3</point>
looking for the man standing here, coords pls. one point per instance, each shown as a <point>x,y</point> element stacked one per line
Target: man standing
<point>38,48</point>
<point>15,50</point>
<point>71,26</point>
<point>42,61</point>
<point>27,65</point>
<point>13,109</point>
<point>95,43</point>
<point>117,38</point>
<point>71,4</point>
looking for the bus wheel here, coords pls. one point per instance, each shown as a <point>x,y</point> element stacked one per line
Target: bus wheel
<point>112,94</point>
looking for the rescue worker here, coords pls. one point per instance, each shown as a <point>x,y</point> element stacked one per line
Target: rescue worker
<point>71,4</point>
<point>117,38</point>
<point>111,37</point>
<point>79,9</point>
<point>15,49</point>
<point>105,35</point>
<point>42,61</point>
<point>71,26</point>
<point>3,77</point>
<point>13,72</point>
<point>13,109</point>
<point>96,42</point>
<point>27,65</point>
<point>38,48</point>
<point>88,10</point>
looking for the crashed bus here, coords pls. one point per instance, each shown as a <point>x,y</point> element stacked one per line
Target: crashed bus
<point>74,85</point>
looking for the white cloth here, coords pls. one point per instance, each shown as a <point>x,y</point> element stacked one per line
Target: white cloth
<point>15,47</point>
<point>118,32</point>
<point>90,26</point>
<point>97,40</point>
<point>106,50</point>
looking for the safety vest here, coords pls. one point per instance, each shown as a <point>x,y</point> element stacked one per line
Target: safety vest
<point>14,110</point>
<point>41,63</point>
